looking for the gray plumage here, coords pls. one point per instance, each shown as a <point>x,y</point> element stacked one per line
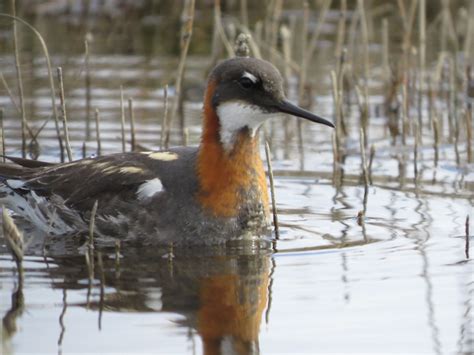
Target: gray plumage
<point>63,196</point>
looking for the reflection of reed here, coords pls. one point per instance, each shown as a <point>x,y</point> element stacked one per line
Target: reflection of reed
<point>422,225</point>
<point>340,196</point>
<point>14,240</point>
<point>15,311</point>
<point>466,238</point>
<point>61,322</point>
<point>100,265</point>
<point>270,290</point>
<point>465,342</point>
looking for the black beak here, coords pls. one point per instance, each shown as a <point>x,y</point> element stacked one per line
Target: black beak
<point>287,107</point>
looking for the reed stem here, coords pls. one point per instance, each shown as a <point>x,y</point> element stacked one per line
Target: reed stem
<point>371,161</point>
<point>90,244</point>
<point>88,90</point>
<point>219,27</point>
<point>2,134</point>
<point>415,152</point>
<point>63,113</point>
<point>122,120</point>
<point>186,34</point>
<point>164,124</point>
<point>436,136</point>
<point>132,124</point>
<point>50,76</point>
<point>385,51</point>
<point>466,248</point>
<point>20,82</point>
<point>422,60</point>
<point>272,190</point>
<point>244,16</point>
<point>364,168</point>
<point>97,132</point>
<point>468,119</point>
<point>302,79</point>
<point>313,42</point>
<point>14,239</point>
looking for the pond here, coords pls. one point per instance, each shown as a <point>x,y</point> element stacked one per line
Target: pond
<point>389,274</point>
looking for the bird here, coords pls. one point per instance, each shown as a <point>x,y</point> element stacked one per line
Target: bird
<point>205,195</point>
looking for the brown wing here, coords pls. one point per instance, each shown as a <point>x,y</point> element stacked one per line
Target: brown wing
<point>82,182</point>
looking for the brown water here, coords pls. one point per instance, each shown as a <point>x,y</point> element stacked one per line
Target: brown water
<point>401,282</point>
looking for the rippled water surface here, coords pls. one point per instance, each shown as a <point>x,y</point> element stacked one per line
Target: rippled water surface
<point>397,281</point>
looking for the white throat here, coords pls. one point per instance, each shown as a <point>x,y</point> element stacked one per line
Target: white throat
<point>237,115</point>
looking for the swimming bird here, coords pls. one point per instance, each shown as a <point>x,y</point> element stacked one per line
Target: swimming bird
<point>203,195</point>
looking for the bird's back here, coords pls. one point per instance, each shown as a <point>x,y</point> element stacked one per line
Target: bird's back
<point>145,198</point>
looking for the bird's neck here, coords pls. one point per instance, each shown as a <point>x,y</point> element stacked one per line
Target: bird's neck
<point>231,181</point>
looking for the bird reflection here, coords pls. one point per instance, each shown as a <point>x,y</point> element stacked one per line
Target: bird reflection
<point>222,294</point>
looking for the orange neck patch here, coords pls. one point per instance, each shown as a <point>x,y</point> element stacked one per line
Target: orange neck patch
<point>223,175</point>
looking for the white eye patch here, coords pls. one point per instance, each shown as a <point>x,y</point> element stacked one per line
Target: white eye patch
<point>250,76</point>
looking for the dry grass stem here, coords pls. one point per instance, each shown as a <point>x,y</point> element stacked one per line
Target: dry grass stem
<point>186,136</point>
<point>405,124</point>
<point>371,161</point>
<point>122,120</point>
<point>364,168</point>
<point>366,59</point>
<point>9,93</point>
<point>363,107</point>
<point>244,16</point>
<point>422,60</point>
<point>336,95</point>
<point>164,124</point>
<point>466,249</point>
<point>92,225</point>
<point>335,160</point>
<point>313,42</point>
<point>89,257</point>
<point>468,121</point>
<point>20,81</point>
<point>272,190</point>
<point>50,76</point>
<point>88,89</point>
<point>274,20</point>
<point>285,35</point>
<point>415,152</point>
<point>304,56</point>
<point>2,133</point>
<point>131,115</point>
<point>385,51</point>
<point>341,30</point>
<point>63,113</point>
<point>217,24</point>
<point>468,39</point>
<point>13,237</point>
<point>97,132</point>
<point>302,80</point>
<point>186,34</point>
<point>436,135</point>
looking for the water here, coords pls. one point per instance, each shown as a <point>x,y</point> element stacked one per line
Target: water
<point>400,282</point>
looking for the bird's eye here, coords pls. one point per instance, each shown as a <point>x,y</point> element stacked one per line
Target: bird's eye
<point>246,82</point>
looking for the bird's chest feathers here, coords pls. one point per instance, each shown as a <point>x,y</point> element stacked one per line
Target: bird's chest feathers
<point>232,183</point>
